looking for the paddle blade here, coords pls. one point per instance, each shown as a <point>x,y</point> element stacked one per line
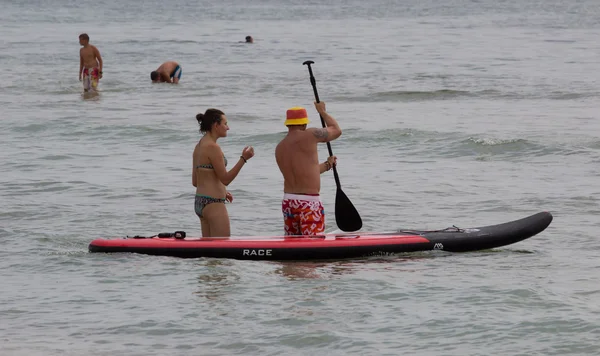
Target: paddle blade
<point>346,216</point>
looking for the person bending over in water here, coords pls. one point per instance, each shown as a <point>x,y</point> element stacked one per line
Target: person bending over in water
<point>298,161</point>
<point>210,177</point>
<point>90,64</point>
<point>168,72</point>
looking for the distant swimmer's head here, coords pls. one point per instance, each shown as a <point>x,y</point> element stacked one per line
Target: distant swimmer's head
<point>296,116</point>
<point>249,39</point>
<point>84,39</point>
<point>155,76</point>
<point>213,121</point>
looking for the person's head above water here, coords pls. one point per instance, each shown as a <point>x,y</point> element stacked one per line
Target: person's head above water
<point>155,76</point>
<point>249,39</point>
<point>213,121</point>
<point>84,39</point>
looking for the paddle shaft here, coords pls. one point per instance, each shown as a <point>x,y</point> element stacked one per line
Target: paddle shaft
<point>313,82</point>
<point>346,216</point>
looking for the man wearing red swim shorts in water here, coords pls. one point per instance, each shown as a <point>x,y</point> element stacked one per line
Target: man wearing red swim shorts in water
<point>298,161</point>
<point>90,64</point>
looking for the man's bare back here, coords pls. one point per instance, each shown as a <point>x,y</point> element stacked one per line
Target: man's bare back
<point>167,67</point>
<point>297,155</point>
<point>298,161</point>
<point>168,72</point>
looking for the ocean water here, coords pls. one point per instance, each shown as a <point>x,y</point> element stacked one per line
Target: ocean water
<point>464,113</point>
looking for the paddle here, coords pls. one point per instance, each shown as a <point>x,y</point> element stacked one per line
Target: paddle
<point>346,216</point>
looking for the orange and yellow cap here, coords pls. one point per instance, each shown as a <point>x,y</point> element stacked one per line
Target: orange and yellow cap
<point>296,116</point>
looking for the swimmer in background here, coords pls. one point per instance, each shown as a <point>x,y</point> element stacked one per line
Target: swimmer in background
<point>249,39</point>
<point>90,64</point>
<point>168,72</point>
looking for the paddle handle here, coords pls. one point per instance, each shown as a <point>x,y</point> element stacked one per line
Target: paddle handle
<point>313,82</point>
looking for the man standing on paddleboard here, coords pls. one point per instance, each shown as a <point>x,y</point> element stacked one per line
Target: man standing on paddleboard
<point>298,161</point>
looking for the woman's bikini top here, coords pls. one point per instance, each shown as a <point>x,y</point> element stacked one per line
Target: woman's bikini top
<point>210,166</point>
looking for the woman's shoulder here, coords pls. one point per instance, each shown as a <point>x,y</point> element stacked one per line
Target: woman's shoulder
<point>208,147</point>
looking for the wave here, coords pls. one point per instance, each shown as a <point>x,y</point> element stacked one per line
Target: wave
<point>432,144</point>
<point>354,136</point>
<point>155,41</point>
<point>31,128</point>
<point>449,94</point>
<point>570,96</point>
<point>521,148</point>
<point>135,131</point>
<point>55,157</point>
<point>260,139</point>
<point>409,95</point>
<point>486,141</point>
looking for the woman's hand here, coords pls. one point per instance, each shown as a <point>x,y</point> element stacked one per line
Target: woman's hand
<point>248,152</point>
<point>229,197</point>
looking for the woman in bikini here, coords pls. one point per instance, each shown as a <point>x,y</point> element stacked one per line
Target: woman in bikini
<point>210,177</point>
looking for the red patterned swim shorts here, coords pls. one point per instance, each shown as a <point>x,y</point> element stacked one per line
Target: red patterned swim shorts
<point>90,78</point>
<point>303,214</point>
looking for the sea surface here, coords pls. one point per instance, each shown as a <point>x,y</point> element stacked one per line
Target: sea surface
<point>465,113</point>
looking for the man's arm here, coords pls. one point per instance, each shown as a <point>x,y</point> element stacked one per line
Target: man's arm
<point>165,76</point>
<point>327,165</point>
<point>99,59</point>
<point>80,64</point>
<point>323,167</point>
<point>329,133</point>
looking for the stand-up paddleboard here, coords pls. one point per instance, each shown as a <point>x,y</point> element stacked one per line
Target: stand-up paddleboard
<point>329,246</point>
